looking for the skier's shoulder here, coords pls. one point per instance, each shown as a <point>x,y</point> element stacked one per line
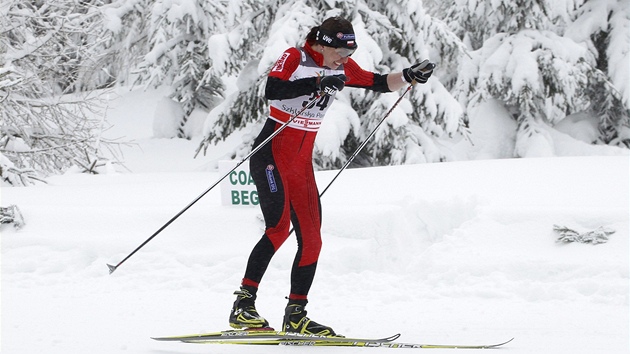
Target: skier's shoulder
<point>288,61</point>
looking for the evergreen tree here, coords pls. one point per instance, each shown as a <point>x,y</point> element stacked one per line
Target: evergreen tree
<point>519,55</point>
<point>605,26</point>
<point>404,34</point>
<point>179,53</point>
<point>239,53</point>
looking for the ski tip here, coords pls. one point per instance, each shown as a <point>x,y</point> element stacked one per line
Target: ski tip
<point>111,268</point>
<point>500,344</point>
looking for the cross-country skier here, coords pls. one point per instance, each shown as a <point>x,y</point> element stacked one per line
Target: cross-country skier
<point>283,169</point>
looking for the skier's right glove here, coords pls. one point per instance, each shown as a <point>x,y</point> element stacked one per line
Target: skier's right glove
<point>419,72</point>
<point>331,84</point>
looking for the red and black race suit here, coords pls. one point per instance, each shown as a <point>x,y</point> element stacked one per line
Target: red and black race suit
<point>283,168</point>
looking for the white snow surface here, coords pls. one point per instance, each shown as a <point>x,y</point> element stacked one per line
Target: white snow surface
<point>458,253</point>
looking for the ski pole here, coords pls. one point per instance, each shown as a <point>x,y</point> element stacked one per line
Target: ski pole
<point>427,67</point>
<point>367,139</point>
<point>363,144</point>
<point>430,66</point>
<point>309,104</point>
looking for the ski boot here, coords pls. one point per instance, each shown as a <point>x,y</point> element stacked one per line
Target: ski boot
<point>295,321</point>
<point>244,314</point>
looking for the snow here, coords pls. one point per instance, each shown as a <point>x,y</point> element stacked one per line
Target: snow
<point>494,131</point>
<point>333,132</point>
<point>163,125</point>
<point>219,58</point>
<point>457,252</point>
<point>580,126</point>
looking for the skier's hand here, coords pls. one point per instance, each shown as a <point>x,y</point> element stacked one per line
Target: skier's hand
<point>419,72</point>
<point>331,84</point>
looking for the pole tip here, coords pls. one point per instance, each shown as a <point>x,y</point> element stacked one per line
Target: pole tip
<point>111,268</point>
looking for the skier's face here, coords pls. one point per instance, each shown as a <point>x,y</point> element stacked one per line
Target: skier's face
<point>334,58</point>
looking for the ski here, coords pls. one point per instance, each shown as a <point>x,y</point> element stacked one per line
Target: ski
<point>340,342</point>
<point>427,346</point>
<point>272,337</point>
<point>259,335</point>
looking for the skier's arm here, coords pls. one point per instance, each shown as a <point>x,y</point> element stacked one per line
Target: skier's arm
<point>279,87</point>
<point>357,77</point>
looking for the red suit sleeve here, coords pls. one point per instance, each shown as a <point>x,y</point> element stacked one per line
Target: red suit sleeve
<point>358,77</point>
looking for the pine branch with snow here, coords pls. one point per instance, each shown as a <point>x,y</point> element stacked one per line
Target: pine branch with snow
<point>599,235</point>
<point>11,215</point>
<point>605,26</point>
<point>16,176</point>
<point>125,29</point>
<point>179,54</point>
<point>240,109</point>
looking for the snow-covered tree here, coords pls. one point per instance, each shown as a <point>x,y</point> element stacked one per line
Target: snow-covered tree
<point>179,53</point>
<point>240,51</point>
<point>519,54</point>
<point>46,52</point>
<point>391,35</point>
<point>400,33</point>
<point>605,26</point>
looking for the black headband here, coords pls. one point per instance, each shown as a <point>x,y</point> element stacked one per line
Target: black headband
<point>336,40</point>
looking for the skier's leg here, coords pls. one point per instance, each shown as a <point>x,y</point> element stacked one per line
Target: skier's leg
<point>306,217</point>
<point>307,232</point>
<point>272,196</point>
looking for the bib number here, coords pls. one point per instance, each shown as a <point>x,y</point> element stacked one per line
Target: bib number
<point>322,102</point>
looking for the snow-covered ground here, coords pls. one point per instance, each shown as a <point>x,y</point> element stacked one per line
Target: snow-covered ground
<point>458,252</point>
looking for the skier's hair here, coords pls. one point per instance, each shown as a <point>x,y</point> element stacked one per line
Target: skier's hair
<point>331,25</point>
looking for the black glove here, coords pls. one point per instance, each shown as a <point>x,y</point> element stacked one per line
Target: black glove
<point>419,72</point>
<point>331,84</point>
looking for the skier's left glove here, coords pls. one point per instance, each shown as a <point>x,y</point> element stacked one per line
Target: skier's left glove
<point>332,83</point>
<point>420,72</point>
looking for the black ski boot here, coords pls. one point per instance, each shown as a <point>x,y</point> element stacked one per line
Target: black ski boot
<point>244,314</point>
<point>295,321</point>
